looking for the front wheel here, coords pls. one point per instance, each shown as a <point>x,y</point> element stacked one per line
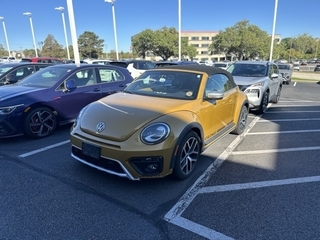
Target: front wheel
<point>264,103</point>
<point>40,123</point>
<point>242,121</point>
<point>187,156</point>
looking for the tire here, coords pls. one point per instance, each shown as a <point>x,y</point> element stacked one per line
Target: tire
<point>264,103</point>
<point>187,156</point>
<point>40,123</point>
<point>242,121</point>
<point>277,97</point>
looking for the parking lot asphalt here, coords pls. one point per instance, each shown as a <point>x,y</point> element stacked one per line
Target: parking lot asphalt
<point>263,184</point>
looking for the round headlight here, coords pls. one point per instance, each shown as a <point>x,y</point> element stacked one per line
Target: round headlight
<point>155,133</point>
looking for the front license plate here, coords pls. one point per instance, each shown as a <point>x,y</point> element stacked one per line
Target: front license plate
<point>91,150</point>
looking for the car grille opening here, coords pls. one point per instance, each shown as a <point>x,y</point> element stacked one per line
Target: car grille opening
<point>104,163</point>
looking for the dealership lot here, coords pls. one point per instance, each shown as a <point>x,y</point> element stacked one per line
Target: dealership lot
<point>264,185</point>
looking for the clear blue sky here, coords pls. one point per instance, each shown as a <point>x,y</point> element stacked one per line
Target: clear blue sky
<point>294,17</point>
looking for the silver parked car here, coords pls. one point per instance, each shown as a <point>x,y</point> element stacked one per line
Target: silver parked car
<point>286,72</point>
<point>260,80</point>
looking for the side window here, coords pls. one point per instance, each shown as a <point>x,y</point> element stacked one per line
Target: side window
<point>275,69</point>
<point>219,82</point>
<point>110,75</point>
<point>84,77</point>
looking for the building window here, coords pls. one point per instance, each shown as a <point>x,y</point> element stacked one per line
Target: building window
<point>204,45</point>
<point>205,38</point>
<point>195,45</point>
<point>204,52</point>
<point>194,38</point>
<point>212,38</point>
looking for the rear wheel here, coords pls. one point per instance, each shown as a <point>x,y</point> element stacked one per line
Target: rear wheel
<point>277,97</point>
<point>187,156</point>
<point>242,121</point>
<point>40,123</point>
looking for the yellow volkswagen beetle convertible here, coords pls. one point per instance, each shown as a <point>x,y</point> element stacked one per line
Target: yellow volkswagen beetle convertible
<point>160,123</point>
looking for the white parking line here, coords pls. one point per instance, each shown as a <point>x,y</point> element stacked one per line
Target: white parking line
<point>276,150</point>
<point>43,149</point>
<point>262,184</point>
<point>199,229</point>
<point>292,112</point>
<point>284,132</point>
<point>289,120</point>
<point>176,211</point>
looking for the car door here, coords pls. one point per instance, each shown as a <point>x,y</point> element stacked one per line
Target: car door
<point>88,90</point>
<point>111,80</point>
<point>273,81</point>
<point>221,111</point>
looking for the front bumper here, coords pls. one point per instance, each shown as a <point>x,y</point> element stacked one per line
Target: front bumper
<point>119,158</point>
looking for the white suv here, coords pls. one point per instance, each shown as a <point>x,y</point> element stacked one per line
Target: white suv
<point>260,80</point>
<point>135,67</point>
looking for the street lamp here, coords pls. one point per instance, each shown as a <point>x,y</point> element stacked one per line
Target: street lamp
<point>273,28</point>
<point>315,56</point>
<point>64,29</point>
<point>114,26</point>
<point>5,35</point>
<point>32,32</point>
<point>179,23</point>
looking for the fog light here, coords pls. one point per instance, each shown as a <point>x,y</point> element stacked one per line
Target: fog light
<point>151,168</point>
<point>147,165</point>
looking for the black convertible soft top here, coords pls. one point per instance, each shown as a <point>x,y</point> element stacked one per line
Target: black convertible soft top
<point>199,68</point>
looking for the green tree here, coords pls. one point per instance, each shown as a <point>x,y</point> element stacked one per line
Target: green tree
<point>90,46</point>
<point>51,48</point>
<point>29,52</point>
<point>165,43</point>
<point>3,51</point>
<point>142,43</point>
<point>243,40</point>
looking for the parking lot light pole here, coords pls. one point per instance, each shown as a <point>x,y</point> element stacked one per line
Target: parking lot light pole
<point>179,23</point>
<point>61,9</point>
<point>32,32</point>
<point>114,26</point>
<point>5,35</point>
<point>315,56</point>
<point>273,28</point>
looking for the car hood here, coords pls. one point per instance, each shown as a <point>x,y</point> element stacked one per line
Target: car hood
<point>123,114</point>
<point>248,80</point>
<point>10,91</point>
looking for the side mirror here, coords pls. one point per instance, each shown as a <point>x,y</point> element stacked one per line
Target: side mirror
<point>274,75</point>
<point>71,85</point>
<point>214,95</point>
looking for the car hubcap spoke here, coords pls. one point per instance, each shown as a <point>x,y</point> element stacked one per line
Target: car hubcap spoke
<point>189,155</point>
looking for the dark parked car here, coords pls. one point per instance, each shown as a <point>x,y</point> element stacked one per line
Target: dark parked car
<point>317,68</point>
<point>286,72</point>
<point>13,72</point>
<point>54,96</point>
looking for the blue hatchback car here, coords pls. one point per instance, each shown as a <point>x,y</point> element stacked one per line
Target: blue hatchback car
<point>54,96</point>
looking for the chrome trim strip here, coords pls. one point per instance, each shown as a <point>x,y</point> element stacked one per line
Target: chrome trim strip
<point>127,174</point>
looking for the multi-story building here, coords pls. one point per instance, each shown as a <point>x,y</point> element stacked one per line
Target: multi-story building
<point>201,40</point>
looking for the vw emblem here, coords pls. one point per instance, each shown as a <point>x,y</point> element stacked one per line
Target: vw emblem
<point>100,127</point>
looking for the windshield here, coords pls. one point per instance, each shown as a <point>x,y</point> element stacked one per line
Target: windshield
<point>248,70</point>
<point>45,78</point>
<point>4,69</point>
<point>166,84</point>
